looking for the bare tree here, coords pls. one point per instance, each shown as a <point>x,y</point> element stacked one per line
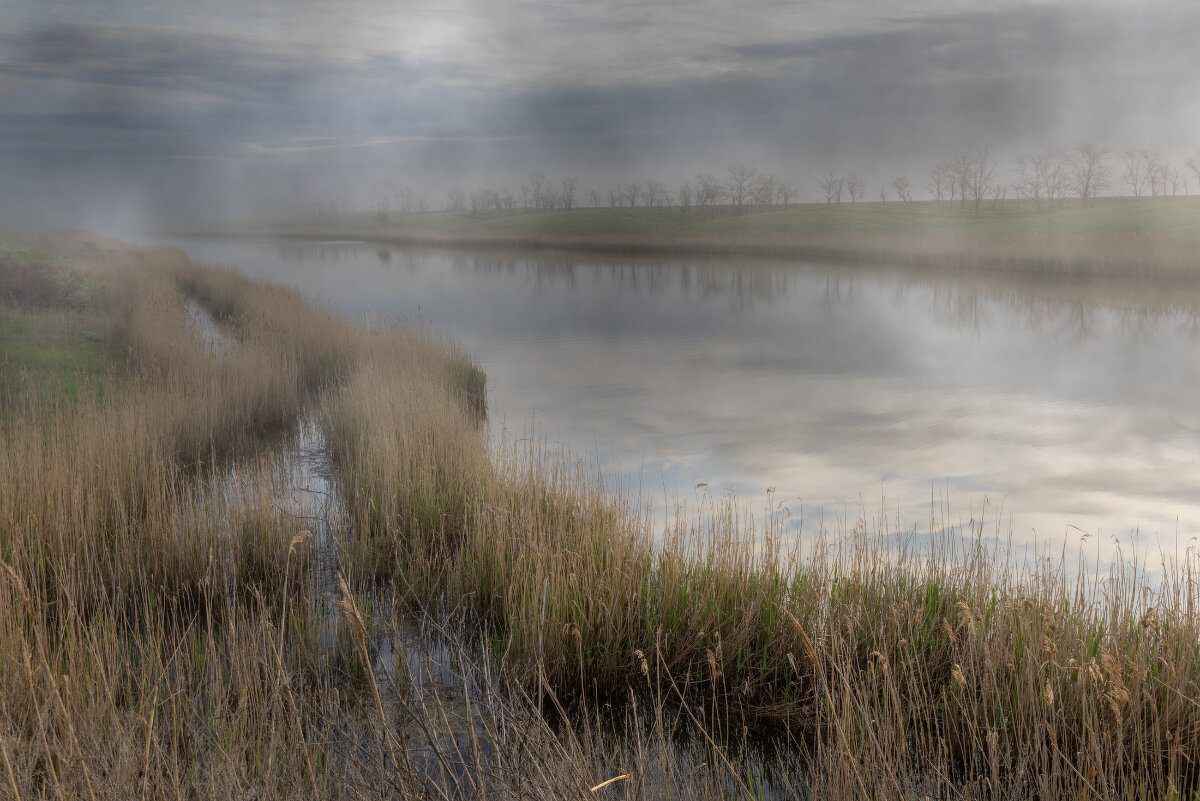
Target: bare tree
<point>536,191</point>
<point>960,177</point>
<point>1173,180</point>
<point>1161,177</point>
<point>1135,172</point>
<point>830,184</point>
<point>708,189</point>
<point>937,182</point>
<point>856,186</point>
<point>762,190</point>
<point>656,193</point>
<point>651,193</point>
<point>456,199</point>
<point>594,196</point>
<point>566,194</point>
<point>1058,178</point>
<point>1088,171</point>
<point>1155,169</point>
<point>1193,164</point>
<point>614,198</point>
<point>685,196</point>
<point>883,194</point>
<point>980,175</point>
<point>633,190</point>
<point>1041,179</point>
<point>741,183</point>
<point>903,190</point>
<point>1029,180</point>
<point>784,191</point>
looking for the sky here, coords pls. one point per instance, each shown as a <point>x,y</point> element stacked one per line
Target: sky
<point>115,113</point>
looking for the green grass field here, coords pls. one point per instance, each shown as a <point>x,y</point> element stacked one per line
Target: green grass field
<point>56,352</point>
<point>1123,217</point>
<point>22,253</point>
<point>53,347</point>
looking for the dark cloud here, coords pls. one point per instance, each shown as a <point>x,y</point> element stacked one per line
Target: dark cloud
<point>171,66</point>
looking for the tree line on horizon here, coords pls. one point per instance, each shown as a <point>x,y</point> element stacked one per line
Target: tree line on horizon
<point>1083,173</point>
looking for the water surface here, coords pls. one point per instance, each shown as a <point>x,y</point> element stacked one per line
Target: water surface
<point>1050,408</point>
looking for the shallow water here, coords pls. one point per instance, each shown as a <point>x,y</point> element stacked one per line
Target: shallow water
<point>1052,409</point>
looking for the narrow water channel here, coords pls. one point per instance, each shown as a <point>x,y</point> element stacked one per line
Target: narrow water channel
<point>294,475</point>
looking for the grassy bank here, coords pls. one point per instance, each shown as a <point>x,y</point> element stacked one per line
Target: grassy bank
<point>1155,237</point>
<point>161,639</point>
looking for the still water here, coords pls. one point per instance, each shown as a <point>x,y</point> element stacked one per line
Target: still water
<point>1052,409</point>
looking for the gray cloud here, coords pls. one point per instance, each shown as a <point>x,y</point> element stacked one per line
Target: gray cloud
<point>319,98</point>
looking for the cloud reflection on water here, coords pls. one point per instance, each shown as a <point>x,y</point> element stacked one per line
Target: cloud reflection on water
<point>1068,405</point>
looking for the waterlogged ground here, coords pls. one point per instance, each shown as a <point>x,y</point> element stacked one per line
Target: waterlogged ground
<point>1054,410</point>
<point>293,475</point>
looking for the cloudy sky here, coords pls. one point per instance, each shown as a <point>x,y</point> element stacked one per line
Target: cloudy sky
<point>116,111</point>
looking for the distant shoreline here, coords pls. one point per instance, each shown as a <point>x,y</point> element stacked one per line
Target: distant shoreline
<point>1157,239</point>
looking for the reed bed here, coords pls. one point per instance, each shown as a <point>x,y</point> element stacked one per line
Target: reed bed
<point>951,673</point>
<point>159,638</point>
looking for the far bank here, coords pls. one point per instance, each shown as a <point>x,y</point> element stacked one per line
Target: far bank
<point>1115,237</point>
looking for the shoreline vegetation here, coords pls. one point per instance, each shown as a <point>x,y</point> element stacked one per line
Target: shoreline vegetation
<point>1112,237</point>
<point>159,639</point>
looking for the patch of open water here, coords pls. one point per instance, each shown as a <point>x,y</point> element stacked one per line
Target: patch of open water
<point>1054,409</point>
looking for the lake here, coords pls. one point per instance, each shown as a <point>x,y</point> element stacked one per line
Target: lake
<point>1050,409</point>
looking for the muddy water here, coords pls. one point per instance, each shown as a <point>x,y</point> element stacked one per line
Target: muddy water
<point>1052,409</point>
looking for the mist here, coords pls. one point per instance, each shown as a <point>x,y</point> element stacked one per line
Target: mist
<point>133,114</point>
<point>448,398</point>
